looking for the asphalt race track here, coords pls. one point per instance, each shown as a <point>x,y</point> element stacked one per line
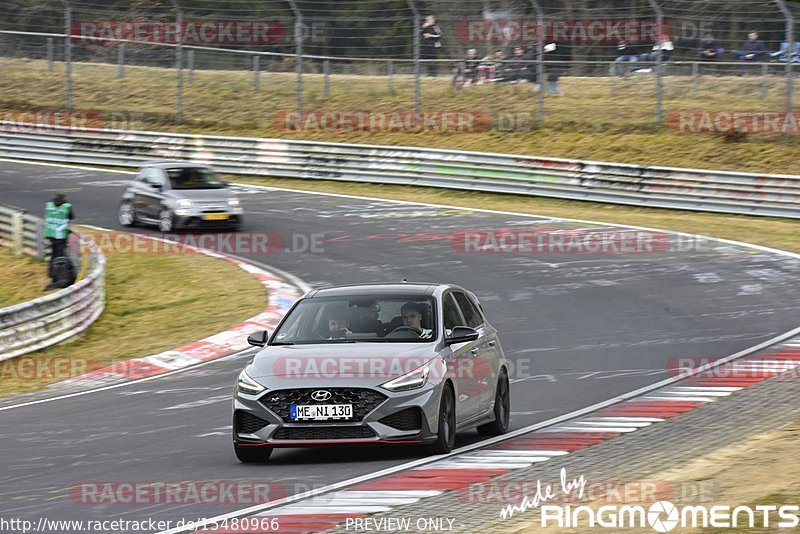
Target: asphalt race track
<point>580,328</point>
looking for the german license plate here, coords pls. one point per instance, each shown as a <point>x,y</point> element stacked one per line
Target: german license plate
<point>320,412</point>
<point>215,217</point>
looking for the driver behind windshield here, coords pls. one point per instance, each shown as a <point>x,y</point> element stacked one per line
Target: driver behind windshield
<point>411,313</point>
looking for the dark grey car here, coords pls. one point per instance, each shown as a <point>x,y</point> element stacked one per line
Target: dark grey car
<point>385,363</point>
<point>177,194</point>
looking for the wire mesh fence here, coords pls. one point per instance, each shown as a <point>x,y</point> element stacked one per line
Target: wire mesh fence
<point>509,64</point>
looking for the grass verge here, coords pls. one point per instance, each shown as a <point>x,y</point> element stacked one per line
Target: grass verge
<point>22,278</point>
<point>154,302</point>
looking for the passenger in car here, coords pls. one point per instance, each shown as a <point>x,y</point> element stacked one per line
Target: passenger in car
<point>338,323</point>
<point>411,313</point>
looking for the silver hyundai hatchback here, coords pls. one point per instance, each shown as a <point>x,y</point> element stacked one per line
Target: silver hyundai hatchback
<point>401,363</point>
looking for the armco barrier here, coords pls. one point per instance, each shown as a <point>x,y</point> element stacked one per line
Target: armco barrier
<point>53,318</point>
<point>692,189</point>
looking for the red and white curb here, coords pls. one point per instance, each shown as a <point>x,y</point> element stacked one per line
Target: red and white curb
<point>458,472</point>
<point>281,294</point>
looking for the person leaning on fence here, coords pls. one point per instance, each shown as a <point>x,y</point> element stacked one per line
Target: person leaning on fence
<point>431,42</point>
<point>57,215</point>
<point>752,51</point>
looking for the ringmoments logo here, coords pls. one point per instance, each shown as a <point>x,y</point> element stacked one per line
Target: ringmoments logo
<point>660,516</point>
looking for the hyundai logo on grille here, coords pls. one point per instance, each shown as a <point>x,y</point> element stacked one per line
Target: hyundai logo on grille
<point>321,395</point>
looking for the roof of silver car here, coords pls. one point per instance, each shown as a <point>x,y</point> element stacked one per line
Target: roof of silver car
<point>170,163</point>
<point>399,288</point>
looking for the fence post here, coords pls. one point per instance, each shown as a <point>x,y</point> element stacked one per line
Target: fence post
<point>390,74</point>
<point>789,51</point>
<point>50,55</point>
<point>298,58</point>
<point>121,61</point>
<point>68,53</point>
<point>540,81</point>
<point>256,71</point>
<point>40,243</point>
<point>326,68</point>
<point>764,77</point>
<point>612,75</point>
<point>17,232</point>
<point>190,60</point>
<point>179,63</point>
<point>659,66</point>
<point>417,32</point>
<point>695,77</point>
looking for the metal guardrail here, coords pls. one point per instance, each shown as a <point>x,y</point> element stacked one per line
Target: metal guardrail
<point>53,318</point>
<point>691,189</point>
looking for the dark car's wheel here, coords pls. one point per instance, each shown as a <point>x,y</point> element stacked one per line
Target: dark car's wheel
<point>165,220</point>
<point>446,439</point>
<point>127,214</point>
<point>502,409</point>
<point>251,455</point>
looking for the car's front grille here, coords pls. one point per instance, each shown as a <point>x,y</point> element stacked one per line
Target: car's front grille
<point>363,400</point>
<point>247,423</point>
<point>325,432</point>
<point>408,419</point>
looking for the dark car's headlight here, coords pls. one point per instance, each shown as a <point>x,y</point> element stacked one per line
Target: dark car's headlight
<point>413,380</point>
<point>245,384</point>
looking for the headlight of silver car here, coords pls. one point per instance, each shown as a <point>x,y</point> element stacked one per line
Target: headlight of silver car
<point>413,380</point>
<point>248,385</point>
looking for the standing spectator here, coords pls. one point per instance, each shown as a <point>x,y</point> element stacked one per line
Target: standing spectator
<point>752,51</point>
<point>57,215</point>
<point>709,50</point>
<point>431,42</point>
<point>558,56</point>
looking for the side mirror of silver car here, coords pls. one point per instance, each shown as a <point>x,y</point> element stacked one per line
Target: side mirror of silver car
<point>461,334</point>
<point>258,339</point>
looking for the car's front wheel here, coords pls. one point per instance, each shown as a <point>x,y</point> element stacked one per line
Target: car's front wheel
<point>502,409</point>
<point>251,455</point>
<point>127,214</point>
<point>446,438</point>
<point>165,220</point>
